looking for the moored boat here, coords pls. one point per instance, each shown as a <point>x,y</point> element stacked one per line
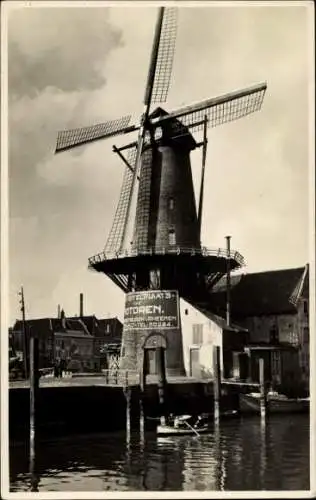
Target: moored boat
<point>184,425</point>
<point>276,403</point>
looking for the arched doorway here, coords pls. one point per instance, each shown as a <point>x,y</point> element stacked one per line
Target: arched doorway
<point>154,342</point>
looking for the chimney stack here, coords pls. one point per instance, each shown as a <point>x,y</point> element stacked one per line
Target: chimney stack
<point>81,306</point>
<point>58,311</point>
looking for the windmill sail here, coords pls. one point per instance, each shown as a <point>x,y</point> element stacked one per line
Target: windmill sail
<point>114,240</point>
<point>163,43</point>
<point>68,139</point>
<point>165,56</point>
<point>219,110</point>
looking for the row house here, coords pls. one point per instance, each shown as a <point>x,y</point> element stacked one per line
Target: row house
<point>79,343</point>
<point>107,338</point>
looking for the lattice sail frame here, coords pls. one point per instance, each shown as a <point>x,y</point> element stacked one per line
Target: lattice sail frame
<point>115,236</point>
<point>68,139</point>
<point>225,112</point>
<point>219,110</point>
<point>165,56</point>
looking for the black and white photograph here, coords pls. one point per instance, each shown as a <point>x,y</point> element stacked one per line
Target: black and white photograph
<point>157,249</point>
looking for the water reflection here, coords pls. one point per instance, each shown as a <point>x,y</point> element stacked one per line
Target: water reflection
<point>238,455</point>
<point>263,452</point>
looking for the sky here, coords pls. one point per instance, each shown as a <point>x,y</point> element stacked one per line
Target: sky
<point>77,66</point>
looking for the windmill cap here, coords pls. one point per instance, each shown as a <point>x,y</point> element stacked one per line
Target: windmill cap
<point>174,129</point>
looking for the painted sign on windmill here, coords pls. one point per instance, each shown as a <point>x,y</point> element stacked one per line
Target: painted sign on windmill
<point>152,310</point>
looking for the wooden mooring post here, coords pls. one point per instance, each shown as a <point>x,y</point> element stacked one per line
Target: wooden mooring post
<point>141,418</point>
<point>162,381</point>
<point>263,395</point>
<point>142,388</point>
<point>128,397</point>
<point>217,382</point>
<point>34,386</point>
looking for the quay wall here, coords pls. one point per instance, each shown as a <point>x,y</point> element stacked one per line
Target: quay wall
<point>83,409</point>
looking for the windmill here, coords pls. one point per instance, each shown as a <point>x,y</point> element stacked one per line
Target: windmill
<point>154,242</point>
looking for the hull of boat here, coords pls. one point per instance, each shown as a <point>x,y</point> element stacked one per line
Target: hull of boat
<point>251,404</point>
<point>166,430</point>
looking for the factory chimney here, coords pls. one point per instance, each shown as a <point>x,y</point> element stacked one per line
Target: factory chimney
<point>58,311</point>
<point>81,306</point>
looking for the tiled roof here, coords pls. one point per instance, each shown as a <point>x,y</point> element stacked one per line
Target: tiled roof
<point>43,326</point>
<point>89,325</point>
<point>88,321</point>
<point>220,286</point>
<point>76,325</point>
<point>256,294</point>
<point>98,327</point>
<point>116,328</point>
<point>39,326</point>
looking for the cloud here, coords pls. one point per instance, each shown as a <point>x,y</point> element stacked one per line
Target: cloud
<point>78,66</point>
<point>54,47</point>
<point>57,64</point>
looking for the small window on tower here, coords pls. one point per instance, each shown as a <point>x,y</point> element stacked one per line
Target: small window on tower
<point>172,237</point>
<point>171,203</point>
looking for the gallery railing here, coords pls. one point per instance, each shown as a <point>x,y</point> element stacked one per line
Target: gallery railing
<point>205,252</point>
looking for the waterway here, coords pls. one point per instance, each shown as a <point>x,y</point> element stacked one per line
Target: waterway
<point>240,455</point>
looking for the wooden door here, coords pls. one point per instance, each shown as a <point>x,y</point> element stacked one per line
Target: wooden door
<point>195,370</point>
<point>152,361</point>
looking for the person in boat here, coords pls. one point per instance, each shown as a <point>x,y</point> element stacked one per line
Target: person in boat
<point>176,421</point>
<point>201,421</point>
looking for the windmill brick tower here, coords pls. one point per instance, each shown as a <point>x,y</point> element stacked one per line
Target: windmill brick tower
<point>153,252</point>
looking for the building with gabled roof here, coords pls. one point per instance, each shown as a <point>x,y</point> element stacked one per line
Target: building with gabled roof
<point>82,338</point>
<point>257,294</point>
<point>271,306</point>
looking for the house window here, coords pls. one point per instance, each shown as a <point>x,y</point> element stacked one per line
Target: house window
<point>186,312</point>
<point>172,237</point>
<point>198,334</point>
<point>171,203</point>
<point>276,364</point>
<point>274,334</point>
<point>293,338</point>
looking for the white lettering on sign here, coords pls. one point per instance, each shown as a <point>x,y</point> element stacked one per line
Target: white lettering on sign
<point>151,309</point>
<point>149,296</point>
